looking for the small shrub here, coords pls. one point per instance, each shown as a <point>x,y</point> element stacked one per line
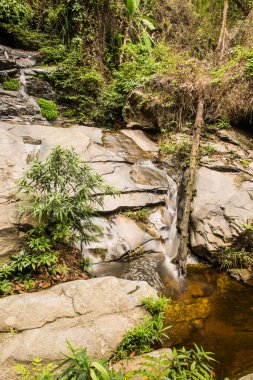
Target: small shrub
<point>223,124</point>
<point>48,109</point>
<point>249,64</point>
<point>62,196</point>
<point>142,338</point>
<point>139,215</point>
<point>53,54</point>
<point>6,287</point>
<point>37,371</point>
<point>208,150</point>
<point>78,365</point>
<point>234,259</point>
<point>240,253</point>
<point>11,84</point>
<point>184,364</point>
<point>180,150</point>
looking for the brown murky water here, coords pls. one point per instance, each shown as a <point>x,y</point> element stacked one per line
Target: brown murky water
<point>216,313</point>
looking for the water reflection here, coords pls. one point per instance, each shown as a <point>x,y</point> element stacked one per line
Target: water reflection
<point>215,312</point>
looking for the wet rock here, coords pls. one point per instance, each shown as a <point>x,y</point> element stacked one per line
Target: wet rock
<point>141,183</point>
<point>39,88</point>
<point>17,104</point>
<point>93,314</point>
<point>244,275</point>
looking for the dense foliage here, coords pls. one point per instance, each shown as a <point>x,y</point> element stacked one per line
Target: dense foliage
<point>182,364</point>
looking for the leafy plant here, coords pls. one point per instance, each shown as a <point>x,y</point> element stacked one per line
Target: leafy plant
<point>142,338</point>
<point>63,194</point>
<point>231,258</point>
<point>11,84</point>
<point>37,371</point>
<point>180,150</point>
<point>208,150</point>
<point>139,26</point>
<point>6,287</point>
<point>182,364</point>
<point>77,85</point>
<point>48,109</point>
<point>139,215</point>
<point>53,54</point>
<point>80,366</point>
<point>223,124</point>
<point>249,64</point>
<point>240,252</point>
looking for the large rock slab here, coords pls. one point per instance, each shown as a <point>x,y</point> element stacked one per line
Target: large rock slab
<point>93,314</point>
<point>222,206</point>
<point>128,165</point>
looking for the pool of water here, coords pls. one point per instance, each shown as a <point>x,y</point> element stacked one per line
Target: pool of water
<point>215,312</point>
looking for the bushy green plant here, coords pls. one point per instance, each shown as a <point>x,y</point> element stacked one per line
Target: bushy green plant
<point>194,364</point>
<point>240,252</point>
<point>37,371</point>
<point>14,11</point>
<point>48,109</point>
<point>138,215</point>
<point>179,150</point>
<point>208,150</point>
<point>142,338</point>
<point>62,196</point>
<point>140,66</point>
<point>11,84</point>
<point>223,124</point>
<point>231,258</point>
<point>78,365</point>
<point>249,64</point>
<point>77,85</point>
<point>53,54</point>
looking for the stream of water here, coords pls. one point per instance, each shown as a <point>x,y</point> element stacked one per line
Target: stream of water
<point>215,312</point>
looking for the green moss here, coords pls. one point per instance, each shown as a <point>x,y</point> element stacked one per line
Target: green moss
<point>11,84</point>
<point>48,109</point>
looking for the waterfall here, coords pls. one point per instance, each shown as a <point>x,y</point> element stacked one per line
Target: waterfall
<point>173,239</point>
<point>23,92</point>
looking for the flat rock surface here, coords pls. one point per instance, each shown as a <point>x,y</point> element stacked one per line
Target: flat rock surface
<point>93,313</point>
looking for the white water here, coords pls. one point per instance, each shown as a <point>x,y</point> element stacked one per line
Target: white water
<point>23,92</point>
<point>172,243</point>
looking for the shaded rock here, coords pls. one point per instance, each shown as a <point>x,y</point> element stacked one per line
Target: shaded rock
<point>93,314</point>
<point>140,111</point>
<point>39,88</point>
<point>247,377</point>
<point>222,206</point>
<point>242,275</point>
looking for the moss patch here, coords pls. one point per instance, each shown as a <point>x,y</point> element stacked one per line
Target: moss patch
<point>48,109</point>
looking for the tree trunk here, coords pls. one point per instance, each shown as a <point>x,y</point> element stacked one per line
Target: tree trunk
<point>184,227</point>
<point>223,33</point>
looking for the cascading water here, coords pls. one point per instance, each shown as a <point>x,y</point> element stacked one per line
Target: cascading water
<point>172,242</point>
<point>23,92</point>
